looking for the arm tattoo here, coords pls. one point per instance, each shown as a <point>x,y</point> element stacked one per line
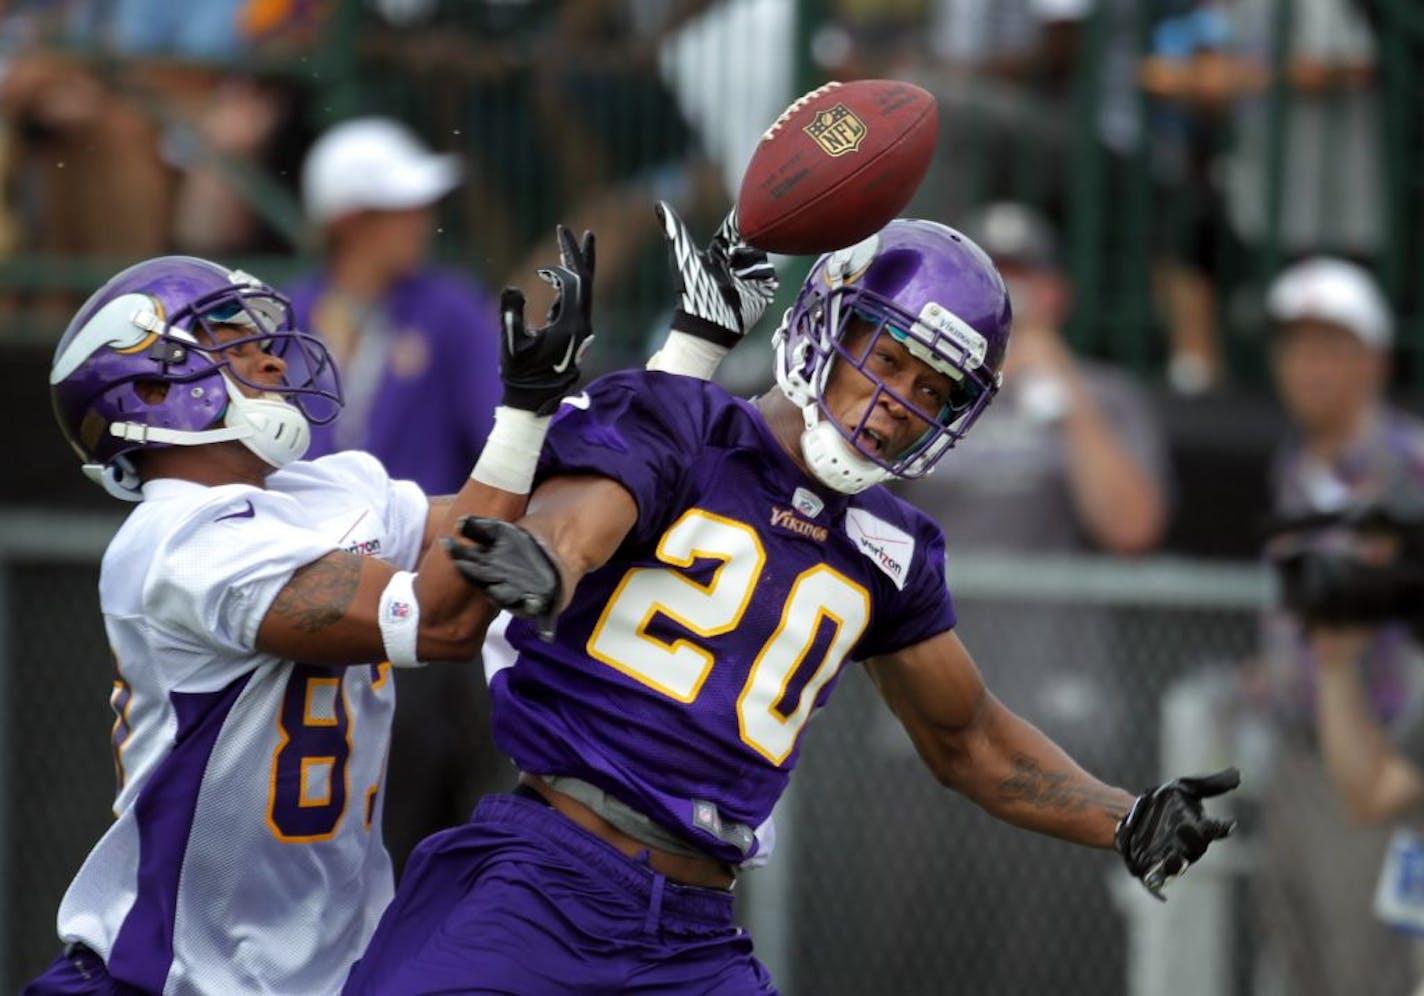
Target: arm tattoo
<point>319,593</point>
<point>1033,786</point>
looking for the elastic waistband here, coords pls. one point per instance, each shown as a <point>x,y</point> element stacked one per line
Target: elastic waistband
<point>706,906</point>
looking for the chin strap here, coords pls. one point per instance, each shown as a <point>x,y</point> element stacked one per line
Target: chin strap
<point>274,429</point>
<point>832,460</point>
<point>137,432</point>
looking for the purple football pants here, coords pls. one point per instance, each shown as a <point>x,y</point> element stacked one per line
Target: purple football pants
<point>77,973</point>
<point>520,900</point>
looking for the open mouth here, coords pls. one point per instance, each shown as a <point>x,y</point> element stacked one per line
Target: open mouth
<point>873,440</point>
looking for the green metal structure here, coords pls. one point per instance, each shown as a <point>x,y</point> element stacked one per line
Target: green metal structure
<point>474,79</point>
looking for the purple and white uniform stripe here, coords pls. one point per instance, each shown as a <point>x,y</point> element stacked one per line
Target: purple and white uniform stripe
<point>246,851</point>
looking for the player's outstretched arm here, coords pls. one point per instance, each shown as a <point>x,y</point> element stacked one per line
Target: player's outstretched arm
<point>530,568</point>
<point>722,292</point>
<point>346,609</point>
<point>977,746</point>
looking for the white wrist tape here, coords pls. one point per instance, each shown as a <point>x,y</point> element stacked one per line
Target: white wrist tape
<point>511,453</point>
<point>688,355</point>
<point>399,619</point>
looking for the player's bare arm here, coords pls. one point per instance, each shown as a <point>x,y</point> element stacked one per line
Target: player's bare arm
<point>319,594</point>
<point>328,613</point>
<point>440,506</point>
<point>538,366</point>
<point>581,521</point>
<point>975,745</point>
<point>575,524</point>
<point>340,614</point>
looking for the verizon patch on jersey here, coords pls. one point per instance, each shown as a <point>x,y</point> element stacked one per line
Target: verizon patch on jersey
<point>890,548</point>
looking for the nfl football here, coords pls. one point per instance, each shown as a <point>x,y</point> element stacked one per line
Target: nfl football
<point>837,165</point>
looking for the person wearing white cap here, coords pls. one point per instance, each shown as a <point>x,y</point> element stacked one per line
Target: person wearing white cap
<point>373,164</point>
<point>1332,330</point>
<point>409,338</point>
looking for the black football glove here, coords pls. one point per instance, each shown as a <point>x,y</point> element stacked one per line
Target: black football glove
<point>540,366</point>
<point>1166,830</point>
<point>721,290</point>
<point>512,567</point>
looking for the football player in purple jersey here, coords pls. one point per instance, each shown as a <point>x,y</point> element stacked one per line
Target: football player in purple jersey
<point>691,575</point>
<point>256,603</point>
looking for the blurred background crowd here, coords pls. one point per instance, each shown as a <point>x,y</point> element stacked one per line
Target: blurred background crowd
<point>1210,214</point>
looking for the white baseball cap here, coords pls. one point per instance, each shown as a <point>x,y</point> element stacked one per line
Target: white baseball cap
<point>1335,291</point>
<point>373,164</point>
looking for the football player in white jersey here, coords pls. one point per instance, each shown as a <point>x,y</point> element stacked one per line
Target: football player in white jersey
<point>256,605</point>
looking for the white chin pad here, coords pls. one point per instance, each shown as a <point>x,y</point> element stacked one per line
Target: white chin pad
<point>278,432</point>
<point>834,462</point>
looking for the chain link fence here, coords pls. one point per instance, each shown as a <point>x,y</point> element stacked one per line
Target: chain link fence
<point>57,768</point>
<point>883,881</point>
<point>897,886</point>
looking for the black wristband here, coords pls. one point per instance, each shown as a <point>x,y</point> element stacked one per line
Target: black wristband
<point>531,399</point>
<point>701,328</point>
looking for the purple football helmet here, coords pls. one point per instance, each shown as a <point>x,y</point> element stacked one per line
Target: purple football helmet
<point>932,290</point>
<point>152,325</point>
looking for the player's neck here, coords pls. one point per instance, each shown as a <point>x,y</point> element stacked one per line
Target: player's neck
<point>786,424</point>
<point>210,465</point>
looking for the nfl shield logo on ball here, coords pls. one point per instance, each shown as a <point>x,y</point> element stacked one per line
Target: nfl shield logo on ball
<point>837,130</point>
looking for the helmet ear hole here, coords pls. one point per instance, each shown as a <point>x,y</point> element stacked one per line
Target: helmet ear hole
<point>151,392</point>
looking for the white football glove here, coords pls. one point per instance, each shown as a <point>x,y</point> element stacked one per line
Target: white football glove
<point>721,291</point>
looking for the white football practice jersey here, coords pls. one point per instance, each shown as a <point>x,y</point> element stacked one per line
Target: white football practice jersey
<point>246,852</point>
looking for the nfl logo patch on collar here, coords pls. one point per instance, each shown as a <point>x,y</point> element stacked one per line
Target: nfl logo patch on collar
<point>807,503</point>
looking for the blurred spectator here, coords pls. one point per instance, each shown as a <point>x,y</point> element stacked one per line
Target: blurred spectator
<point>1069,458</point>
<point>1317,873</point>
<point>1195,79</point>
<point>728,100</point>
<point>868,39</point>
<point>396,324</point>
<point>1211,70</point>
<point>1380,780</point>
<point>1379,777</point>
<point>402,331</point>
<point>1031,41</point>
<point>83,148</point>
<point>567,118</point>
<point>1005,69</point>
<point>611,138</point>
<point>238,118</point>
<point>132,139</point>
<point>1331,195</point>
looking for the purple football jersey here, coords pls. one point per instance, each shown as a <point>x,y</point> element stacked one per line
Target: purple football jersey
<point>686,668</point>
